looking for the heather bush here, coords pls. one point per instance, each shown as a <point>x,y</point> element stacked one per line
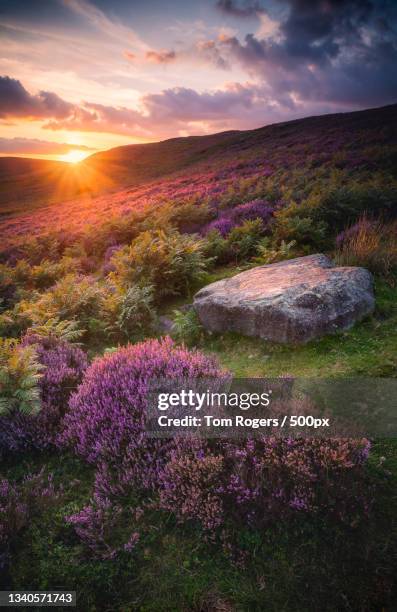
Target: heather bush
<point>108,266</point>
<point>266,479</point>
<point>108,410</point>
<point>171,262</point>
<point>371,244</point>
<point>189,485</point>
<point>18,504</point>
<point>101,526</point>
<point>61,366</point>
<point>256,209</point>
<point>223,225</point>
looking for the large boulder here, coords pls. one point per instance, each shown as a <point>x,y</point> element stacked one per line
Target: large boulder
<point>291,302</point>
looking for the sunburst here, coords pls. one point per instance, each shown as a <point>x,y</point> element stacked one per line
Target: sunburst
<point>75,156</point>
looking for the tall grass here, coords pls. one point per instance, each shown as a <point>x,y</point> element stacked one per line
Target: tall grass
<point>371,244</point>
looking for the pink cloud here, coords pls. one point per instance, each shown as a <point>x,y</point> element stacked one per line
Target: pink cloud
<point>160,57</point>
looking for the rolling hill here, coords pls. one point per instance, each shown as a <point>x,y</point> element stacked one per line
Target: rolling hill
<point>36,195</point>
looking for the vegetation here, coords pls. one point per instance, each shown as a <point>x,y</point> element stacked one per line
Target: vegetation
<point>87,500</point>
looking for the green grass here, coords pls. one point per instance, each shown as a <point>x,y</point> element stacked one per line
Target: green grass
<point>370,348</point>
<point>309,564</point>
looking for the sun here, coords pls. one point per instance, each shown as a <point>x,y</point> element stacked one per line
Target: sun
<point>75,156</point>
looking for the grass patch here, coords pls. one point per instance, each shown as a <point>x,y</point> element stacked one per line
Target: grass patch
<point>369,348</point>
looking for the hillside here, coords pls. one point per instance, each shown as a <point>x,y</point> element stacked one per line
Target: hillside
<point>95,296</point>
<point>26,184</point>
<point>31,183</point>
<point>205,167</point>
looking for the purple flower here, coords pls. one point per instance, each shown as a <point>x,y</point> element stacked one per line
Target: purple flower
<point>256,209</point>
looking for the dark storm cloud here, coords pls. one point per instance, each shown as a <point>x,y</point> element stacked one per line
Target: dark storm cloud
<point>343,52</point>
<point>239,9</point>
<point>16,101</point>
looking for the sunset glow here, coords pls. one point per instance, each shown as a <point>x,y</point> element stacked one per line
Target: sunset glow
<point>100,74</point>
<point>74,157</point>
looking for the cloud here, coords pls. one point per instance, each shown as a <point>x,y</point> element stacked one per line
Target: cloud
<point>16,101</point>
<point>160,57</point>
<point>130,56</point>
<point>180,111</point>
<point>243,9</point>
<point>112,28</point>
<point>40,147</point>
<point>324,51</point>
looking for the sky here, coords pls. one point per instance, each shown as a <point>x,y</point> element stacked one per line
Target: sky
<point>78,76</point>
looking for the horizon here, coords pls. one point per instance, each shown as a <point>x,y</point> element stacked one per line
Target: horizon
<point>82,76</point>
<point>77,159</point>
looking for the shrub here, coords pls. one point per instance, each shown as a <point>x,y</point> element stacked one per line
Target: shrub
<point>108,266</point>
<point>108,410</point>
<point>171,262</point>
<point>299,223</point>
<point>243,239</point>
<point>256,209</point>
<point>223,225</point>
<point>265,479</point>
<point>189,486</point>
<point>348,203</point>
<point>216,247</point>
<point>105,528</point>
<point>18,504</point>
<point>62,366</point>
<point>371,244</point>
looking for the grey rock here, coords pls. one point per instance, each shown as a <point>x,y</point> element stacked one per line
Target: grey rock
<point>292,301</point>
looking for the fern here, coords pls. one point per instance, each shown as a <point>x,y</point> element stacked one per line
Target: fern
<point>268,254</point>
<point>187,327</point>
<point>20,373</point>
<point>62,330</point>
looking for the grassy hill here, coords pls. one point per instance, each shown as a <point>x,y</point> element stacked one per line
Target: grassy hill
<point>29,184</point>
